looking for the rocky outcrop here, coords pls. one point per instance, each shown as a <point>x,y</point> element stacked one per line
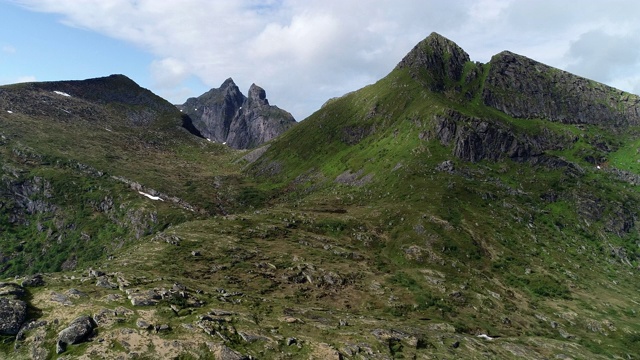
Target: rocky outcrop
<point>13,310</point>
<point>12,315</point>
<point>212,112</point>
<point>225,115</point>
<point>524,88</point>
<point>475,139</point>
<point>436,60</point>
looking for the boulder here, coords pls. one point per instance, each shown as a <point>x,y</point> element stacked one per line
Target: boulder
<point>78,331</point>
<point>12,315</point>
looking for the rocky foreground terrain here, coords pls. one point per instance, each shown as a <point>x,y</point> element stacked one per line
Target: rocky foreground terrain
<point>451,210</point>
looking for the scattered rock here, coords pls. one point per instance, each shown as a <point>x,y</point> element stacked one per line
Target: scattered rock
<point>104,282</point>
<point>222,352</point>
<point>12,315</point>
<point>291,341</point>
<point>291,320</point>
<point>75,293</point>
<point>250,338</point>
<point>33,281</point>
<point>446,166</point>
<point>143,324</point>
<point>28,327</point>
<point>144,298</point>
<point>96,273</point>
<point>60,298</point>
<point>78,331</point>
<point>162,328</point>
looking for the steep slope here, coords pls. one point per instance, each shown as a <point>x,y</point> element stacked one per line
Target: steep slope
<point>408,219</point>
<point>225,115</point>
<point>507,190</point>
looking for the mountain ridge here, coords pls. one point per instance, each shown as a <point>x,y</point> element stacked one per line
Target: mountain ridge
<point>406,219</point>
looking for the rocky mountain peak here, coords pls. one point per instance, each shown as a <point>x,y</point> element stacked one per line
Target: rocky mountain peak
<point>257,95</point>
<point>225,115</point>
<point>436,61</point>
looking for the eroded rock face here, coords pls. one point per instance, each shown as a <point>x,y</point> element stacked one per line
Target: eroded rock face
<point>476,139</point>
<point>225,115</point>
<point>77,331</point>
<point>12,315</point>
<point>524,88</point>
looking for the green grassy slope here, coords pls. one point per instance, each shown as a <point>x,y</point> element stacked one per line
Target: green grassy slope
<point>359,233</point>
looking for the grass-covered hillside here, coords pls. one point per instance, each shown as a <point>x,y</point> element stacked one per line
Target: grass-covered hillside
<point>424,216</point>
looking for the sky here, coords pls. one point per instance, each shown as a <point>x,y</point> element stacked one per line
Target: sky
<point>303,52</point>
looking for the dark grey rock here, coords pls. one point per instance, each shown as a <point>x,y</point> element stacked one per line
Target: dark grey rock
<point>143,324</point>
<point>33,281</point>
<point>12,315</point>
<point>524,88</point>
<point>446,166</point>
<point>162,328</point>
<point>78,331</point>
<point>60,298</point>
<point>103,282</point>
<point>225,115</point>
<point>28,327</point>
<point>435,61</point>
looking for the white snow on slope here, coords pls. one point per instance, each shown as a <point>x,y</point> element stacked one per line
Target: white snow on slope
<point>62,93</point>
<point>10,112</point>
<point>485,336</point>
<point>150,196</point>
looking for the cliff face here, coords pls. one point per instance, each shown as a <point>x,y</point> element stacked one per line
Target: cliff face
<point>524,88</point>
<point>213,111</point>
<point>225,115</point>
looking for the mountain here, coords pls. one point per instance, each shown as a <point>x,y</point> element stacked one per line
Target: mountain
<point>225,115</point>
<point>453,209</point>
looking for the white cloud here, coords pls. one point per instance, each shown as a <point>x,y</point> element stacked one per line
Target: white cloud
<point>306,51</point>
<point>169,72</point>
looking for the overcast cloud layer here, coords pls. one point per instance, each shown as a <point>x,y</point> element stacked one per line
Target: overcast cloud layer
<point>304,52</point>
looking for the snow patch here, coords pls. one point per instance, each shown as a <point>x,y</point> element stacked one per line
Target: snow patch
<point>224,143</point>
<point>62,93</point>
<point>485,336</point>
<point>209,139</point>
<point>10,112</point>
<point>109,130</point>
<point>150,196</point>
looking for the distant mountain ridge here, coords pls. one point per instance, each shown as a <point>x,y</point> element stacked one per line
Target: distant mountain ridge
<point>227,116</point>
